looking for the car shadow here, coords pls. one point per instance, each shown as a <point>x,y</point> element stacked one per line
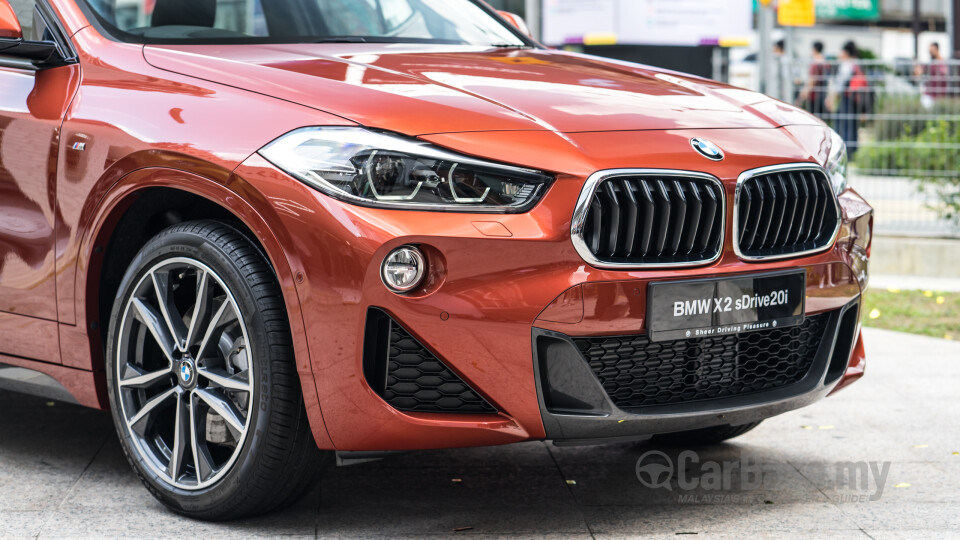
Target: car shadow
<point>64,464</point>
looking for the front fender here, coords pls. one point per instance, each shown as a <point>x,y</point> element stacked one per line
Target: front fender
<point>229,191</point>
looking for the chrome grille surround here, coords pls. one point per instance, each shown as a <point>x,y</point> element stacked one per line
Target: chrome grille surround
<point>587,194</point>
<point>779,169</point>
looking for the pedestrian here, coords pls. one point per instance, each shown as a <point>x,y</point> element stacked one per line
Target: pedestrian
<point>781,60</point>
<point>935,76</point>
<point>846,89</point>
<point>813,95</point>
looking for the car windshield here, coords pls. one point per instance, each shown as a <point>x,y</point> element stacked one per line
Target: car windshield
<point>302,21</point>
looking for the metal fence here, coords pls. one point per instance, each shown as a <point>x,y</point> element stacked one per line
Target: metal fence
<point>901,121</point>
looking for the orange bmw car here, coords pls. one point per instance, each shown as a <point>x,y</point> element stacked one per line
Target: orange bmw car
<point>265,233</point>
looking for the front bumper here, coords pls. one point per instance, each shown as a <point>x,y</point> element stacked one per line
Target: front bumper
<point>498,278</point>
<point>577,408</point>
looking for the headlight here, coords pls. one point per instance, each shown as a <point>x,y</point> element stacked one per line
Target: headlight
<point>837,162</point>
<point>379,169</point>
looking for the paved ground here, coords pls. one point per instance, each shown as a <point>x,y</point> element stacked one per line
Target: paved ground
<point>62,474</point>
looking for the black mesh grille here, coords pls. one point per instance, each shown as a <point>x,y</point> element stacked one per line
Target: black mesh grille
<point>637,373</point>
<point>786,212</point>
<point>416,380</point>
<point>655,220</point>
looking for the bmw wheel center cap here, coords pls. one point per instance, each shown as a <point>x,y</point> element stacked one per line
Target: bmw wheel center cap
<point>187,372</point>
<point>707,149</point>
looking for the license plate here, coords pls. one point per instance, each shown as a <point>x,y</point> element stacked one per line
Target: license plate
<point>722,306</point>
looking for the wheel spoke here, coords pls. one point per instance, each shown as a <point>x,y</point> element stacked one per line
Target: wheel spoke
<point>187,406</point>
<point>181,436</point>
<point>137,378</point>
<point>141,420</point>
<point>161,287</point>
<point>200,308</point>
<point>221,319</point>
<point>224,408</point>
<point>226,381</point>
<point>201,461</point>
<point>158,329</point>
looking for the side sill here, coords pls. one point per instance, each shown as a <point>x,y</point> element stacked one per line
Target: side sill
<point>35,383</point>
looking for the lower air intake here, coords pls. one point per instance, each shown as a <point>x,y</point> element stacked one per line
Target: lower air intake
<point>637,373</point>
<point>411,378</point>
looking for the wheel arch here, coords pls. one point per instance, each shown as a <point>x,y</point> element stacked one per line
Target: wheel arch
<point>148,200</point>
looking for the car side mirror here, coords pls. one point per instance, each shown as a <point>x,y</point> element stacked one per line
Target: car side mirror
<point>24,53</point>
<point>9,24</point>
<point>517,21</point>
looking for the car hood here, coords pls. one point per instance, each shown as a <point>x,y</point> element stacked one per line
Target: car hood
<point>418,90</point>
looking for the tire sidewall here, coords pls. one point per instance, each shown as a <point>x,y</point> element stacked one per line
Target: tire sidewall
<point>183,244</point>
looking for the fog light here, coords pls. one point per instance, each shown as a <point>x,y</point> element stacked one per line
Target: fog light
<point>403,269</point>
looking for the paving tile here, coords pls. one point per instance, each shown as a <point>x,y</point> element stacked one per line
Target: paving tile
<point>403,519</point>
<point>20,524</point>
<point>155,521</point>
<point>915,534</point>
<point>733,481</point>
<point>731,518</point>
<point>445,488</point>
<point>753,535</point>
<point>470,534</point>
<point>904,483</point>
<point>894,516</point>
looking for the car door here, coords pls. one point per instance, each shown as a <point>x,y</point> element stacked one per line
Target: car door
<point>32,105</point>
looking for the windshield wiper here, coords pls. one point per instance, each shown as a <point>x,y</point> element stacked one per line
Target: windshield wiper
<point>341,39</point>
<point>509,46</point>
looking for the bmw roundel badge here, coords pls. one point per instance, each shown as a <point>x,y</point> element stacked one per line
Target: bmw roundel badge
<point>707,149</point>
<point>186,372</point>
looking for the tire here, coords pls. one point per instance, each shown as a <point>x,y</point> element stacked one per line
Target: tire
<point>212,420</point>
<point>703,437</point>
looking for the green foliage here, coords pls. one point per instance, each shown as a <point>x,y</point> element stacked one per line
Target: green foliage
<point>898,113</point>
<point>931,155</point>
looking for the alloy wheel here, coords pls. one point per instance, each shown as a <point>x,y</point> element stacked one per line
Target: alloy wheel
<point>185,374</point>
